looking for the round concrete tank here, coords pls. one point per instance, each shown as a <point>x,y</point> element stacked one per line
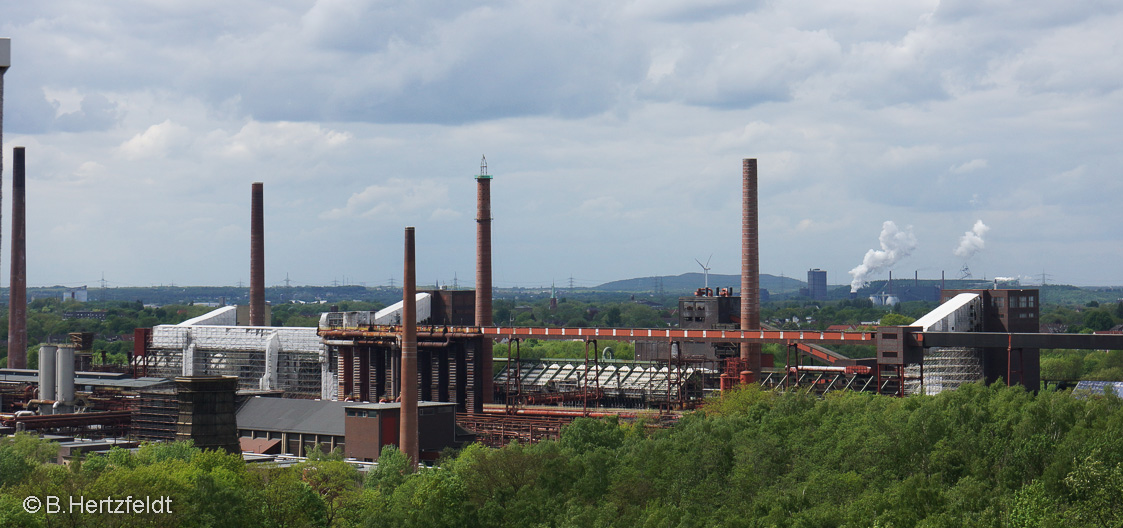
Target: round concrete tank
<point>47,372</point>
<point>64,367</point>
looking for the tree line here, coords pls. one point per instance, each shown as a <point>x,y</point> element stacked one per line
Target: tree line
<point>978,456</point>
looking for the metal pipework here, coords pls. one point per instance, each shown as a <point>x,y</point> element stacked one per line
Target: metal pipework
<point>750,264</point>
<point>483,278</point>
<point>17,297</point>
<point>257,256</point>
<point>408,431</point>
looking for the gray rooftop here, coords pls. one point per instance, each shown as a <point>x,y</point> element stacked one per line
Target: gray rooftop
<point>89,379</point>
<point>294,416</point>
<point>1098,387</point>
<point>394,405</point>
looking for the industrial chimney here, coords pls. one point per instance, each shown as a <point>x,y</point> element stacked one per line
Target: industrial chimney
<point>5,63</point>
<point>17,296</point>
<point>483,279</point>
<point>408,431</point>
<point>750,266</point>
<point>257,257</point>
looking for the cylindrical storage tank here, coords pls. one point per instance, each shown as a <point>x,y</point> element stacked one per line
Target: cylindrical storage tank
<point>47,371</point>
<point>747,377</point>
<point>64,367</point>
<point>726,382</point>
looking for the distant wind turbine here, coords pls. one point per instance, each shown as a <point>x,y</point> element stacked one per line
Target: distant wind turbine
<point>705,269</point>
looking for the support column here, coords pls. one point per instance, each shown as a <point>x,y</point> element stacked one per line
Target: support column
<point>395,372</point>
<point>442,374</point>
<point>380,354</point>
<point>480,348</point>
<point>347,372</point>
<point>364,373</point>
<point>462,377</point>
<point>425,369</point>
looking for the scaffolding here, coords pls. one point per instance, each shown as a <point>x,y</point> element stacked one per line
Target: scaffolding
<point>630,384</point>
<point>155,417</point>
<point>263,358</point>
<point>944,369</point>
<point>500,430</point>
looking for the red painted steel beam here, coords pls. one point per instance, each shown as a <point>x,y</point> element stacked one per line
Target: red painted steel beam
<point>619,334</point>
<point>816,353</point>
<point>74,419</point>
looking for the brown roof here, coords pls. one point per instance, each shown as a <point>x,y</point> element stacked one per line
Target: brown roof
<point>260,445</point>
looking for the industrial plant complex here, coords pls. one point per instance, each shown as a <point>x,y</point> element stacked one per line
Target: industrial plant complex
<point>434,371</point>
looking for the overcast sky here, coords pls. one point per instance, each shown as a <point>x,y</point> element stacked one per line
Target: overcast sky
<point>615,132</point>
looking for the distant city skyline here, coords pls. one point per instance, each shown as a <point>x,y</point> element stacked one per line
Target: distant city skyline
<point>615,134</point>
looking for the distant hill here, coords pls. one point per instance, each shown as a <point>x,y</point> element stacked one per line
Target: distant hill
<point>688,282</point>
<point>162,295</point>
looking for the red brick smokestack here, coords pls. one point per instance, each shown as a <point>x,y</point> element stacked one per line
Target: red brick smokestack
<point>483,276</point>
<point>408,430</point>
<point>257,256</point>
<point>750,266</point>
<point>17,296</point>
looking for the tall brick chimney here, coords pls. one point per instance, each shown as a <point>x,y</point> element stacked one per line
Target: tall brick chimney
<point>257,256</point>
<point>17,296</point>
<point>750,265</point>
<point>408,431</point>
<point>483,278</point>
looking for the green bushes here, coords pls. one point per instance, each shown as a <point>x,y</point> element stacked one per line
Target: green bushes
<point>978,456</point>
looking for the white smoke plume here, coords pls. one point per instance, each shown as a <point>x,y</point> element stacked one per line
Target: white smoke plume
<point>972,241</point>
<point>895,245</point>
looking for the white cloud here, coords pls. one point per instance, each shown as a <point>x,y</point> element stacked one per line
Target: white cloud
<point>257,139</point>
<point>969,166</point>
<point>396,197</point>
<point>603,122</point>
<point>157,141</point>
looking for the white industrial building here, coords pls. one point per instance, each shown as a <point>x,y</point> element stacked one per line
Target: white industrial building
<point>292,359</point>
<point>948,368</point>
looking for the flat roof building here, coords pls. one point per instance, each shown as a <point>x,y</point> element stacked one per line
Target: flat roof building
<point>359,430</point>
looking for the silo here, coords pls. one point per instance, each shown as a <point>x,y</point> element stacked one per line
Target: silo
<point>47,371</point>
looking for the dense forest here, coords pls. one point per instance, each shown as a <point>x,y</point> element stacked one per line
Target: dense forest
<point>977,456</point>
